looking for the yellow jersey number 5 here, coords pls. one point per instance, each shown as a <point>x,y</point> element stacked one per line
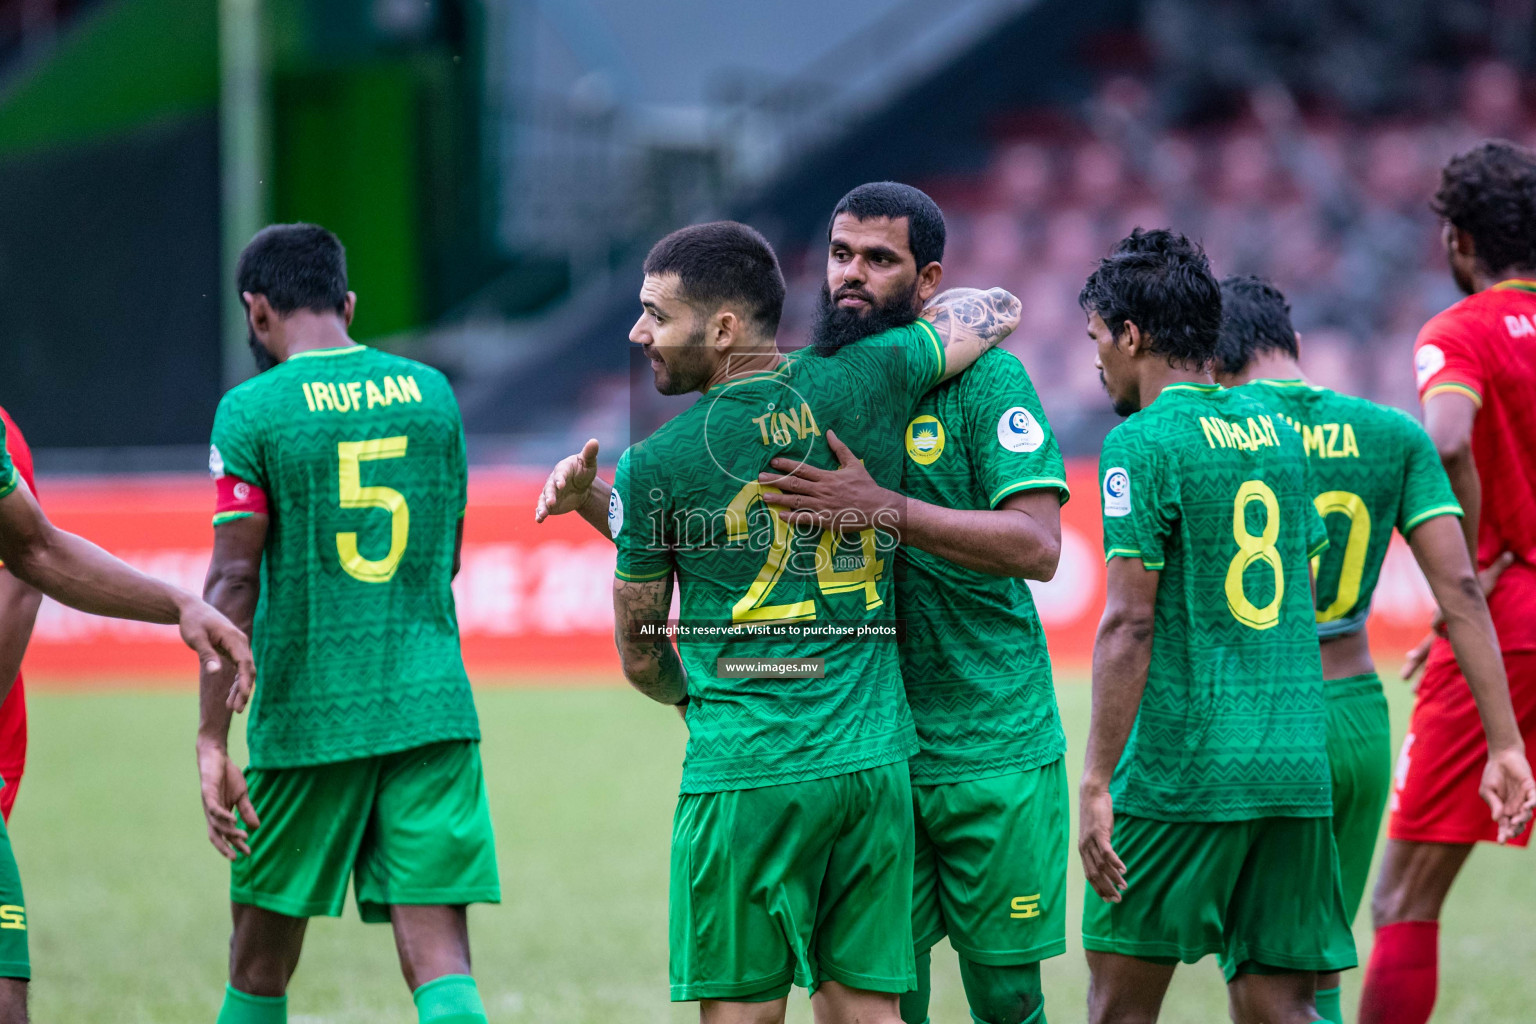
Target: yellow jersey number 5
<point>353,495</point>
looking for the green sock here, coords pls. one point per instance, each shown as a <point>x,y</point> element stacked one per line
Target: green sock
<point>451,999</point>
<point>914,1004</point>
<point>1328,1005</point>
<point>243,1008</point>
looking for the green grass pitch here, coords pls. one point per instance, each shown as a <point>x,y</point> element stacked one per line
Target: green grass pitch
<point>128,910</point>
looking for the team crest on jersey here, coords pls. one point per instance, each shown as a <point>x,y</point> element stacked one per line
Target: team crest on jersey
<point>1117,492</point>
<point>215,461</point>
<point>1429,361</point>
<point>615,513</point>
<point>1018,431</point>
<point>925,440</point>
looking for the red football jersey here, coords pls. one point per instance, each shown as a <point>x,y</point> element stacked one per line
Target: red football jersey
<point>1484,347</point>
<point>13,713</point>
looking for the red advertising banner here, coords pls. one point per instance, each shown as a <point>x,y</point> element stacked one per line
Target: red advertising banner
<point>533,600</point>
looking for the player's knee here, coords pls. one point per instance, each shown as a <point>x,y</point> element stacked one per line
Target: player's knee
<point>1003,995</point>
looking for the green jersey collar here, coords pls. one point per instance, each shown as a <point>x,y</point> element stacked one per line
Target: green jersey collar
<point>339,350</point>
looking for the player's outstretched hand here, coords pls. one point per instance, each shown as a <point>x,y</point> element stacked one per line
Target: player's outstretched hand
<point>1102,866</point>
<point>224,794</point>
<point>568,483</point>
<point>1489,578</point>
<point>1509,791</point>
<point>210,634</point>
<point>846,499</point>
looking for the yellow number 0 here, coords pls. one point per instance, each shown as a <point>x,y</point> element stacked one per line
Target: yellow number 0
<point>1352,569</point>
<point>1252,549</point>
<point>350,456</point>
<point>753,606</point>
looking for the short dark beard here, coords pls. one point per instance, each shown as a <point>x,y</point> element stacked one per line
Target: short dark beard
<point>264,359</point>
<point>835,327</point>
<point>690,368</point>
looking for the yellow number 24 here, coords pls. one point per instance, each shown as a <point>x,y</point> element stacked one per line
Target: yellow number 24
<point>350,456</point>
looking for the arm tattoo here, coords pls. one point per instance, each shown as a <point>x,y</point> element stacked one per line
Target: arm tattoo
<point>650,661</point>
<point>973,313</point>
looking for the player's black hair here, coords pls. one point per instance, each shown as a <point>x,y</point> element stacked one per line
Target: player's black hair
<point>721,262</point>
<point>296,266</point>
<point>1490,193</point>
<point>925,222</point>
<point>1255,318</point>
<point>1162,282</point>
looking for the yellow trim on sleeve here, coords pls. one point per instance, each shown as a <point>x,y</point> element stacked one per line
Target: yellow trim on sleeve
<point>1114,553</point>
<point>1455,388</point>
<point>221,518</point>
<point>1322,546</point>
<point>633,578</point>
<point>1432,513</point>
<point>1032,484</point>
<point>938,344</point>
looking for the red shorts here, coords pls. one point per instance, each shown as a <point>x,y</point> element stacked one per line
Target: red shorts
<point>1434,794</point>
<point>13,745</point>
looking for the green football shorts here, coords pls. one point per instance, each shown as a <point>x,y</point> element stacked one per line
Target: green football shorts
<point>1260,894</point>
<point>15,962</point>
<point>801,882</point>
<point>1360,758</point>
<point>414,826</point>
<point>991,866</point>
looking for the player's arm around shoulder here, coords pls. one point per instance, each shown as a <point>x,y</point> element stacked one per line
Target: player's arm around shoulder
<point>968,322</point>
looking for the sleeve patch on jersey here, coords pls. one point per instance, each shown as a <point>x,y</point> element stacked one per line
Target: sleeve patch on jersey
<point>215,462</point>
<point>238,498</point>
<point>615,513</point>
<point>1117,492</point>
<point>1018,431</point>
<point>1429,361</point>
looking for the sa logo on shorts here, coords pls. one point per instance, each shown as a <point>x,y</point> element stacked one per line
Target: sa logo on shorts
<point>1025,906</point>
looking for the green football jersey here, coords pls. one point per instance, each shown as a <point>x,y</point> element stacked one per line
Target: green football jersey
<point>9,478</point>
<point>361,456</point>
<point>1373,468</point>
<point>687,500</point>
<point>1207,486</point>
<point>973,654</point>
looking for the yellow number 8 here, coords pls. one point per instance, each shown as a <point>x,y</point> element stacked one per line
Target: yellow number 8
<point>1251,549</point>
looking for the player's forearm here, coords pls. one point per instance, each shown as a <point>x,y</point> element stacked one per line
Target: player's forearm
<point>1436,545</point>
<point>653,668</point>
<point>18,611</point>
<point>234,591</point>
<point>999,542</point>
<point>1122,652</point>
<point>77,573</point>
<point>594,508</point>
<point>969,321</point>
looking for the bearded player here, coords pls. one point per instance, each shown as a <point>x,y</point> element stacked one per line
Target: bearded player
<point>18,611</point>
<point>1205,803</point>
<point>793,842</point>
<point>341,492</point>
<point>1373,469</point>
<point>1476,366</point>
<point>978,512</point>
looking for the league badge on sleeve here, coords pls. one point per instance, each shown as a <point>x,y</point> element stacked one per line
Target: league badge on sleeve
<point>1117,492</point>
<point>1018,431</point>
<point>1428,362</point>
<point>215,462</point>
<point>615,513</point>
